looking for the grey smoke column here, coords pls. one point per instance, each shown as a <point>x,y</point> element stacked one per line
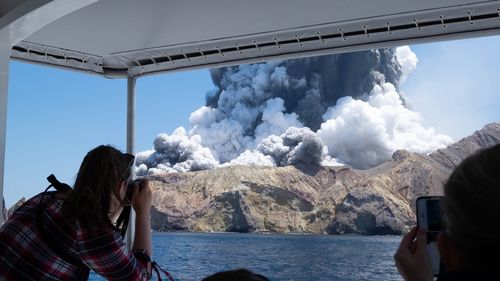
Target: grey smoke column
<point>295,146</point>
<point>310,85</point>
<point>324,110</point>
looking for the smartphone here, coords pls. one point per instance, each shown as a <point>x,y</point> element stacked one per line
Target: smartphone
<point>430,218</point>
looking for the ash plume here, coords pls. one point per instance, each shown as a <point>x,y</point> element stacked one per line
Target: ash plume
<point>294,146</point>
<point>308,86</point>
<point>342,108</point>
<point>175,153</point>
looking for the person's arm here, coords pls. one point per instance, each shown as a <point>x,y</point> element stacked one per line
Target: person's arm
<point>107,255</point>
<point>141,203</point>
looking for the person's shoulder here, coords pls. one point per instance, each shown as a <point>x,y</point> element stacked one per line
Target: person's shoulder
<point>25,216</point>
<point>43,208</point>
<point>29,206</point>
<point>41,198</point>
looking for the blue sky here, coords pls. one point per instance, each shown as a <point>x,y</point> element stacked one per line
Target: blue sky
<point>455,85</point>
<point>55,117</point>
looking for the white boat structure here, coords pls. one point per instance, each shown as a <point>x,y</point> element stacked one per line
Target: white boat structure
<point>128,39</point>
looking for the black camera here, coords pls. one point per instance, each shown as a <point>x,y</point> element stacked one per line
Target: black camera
<point>131,186</point>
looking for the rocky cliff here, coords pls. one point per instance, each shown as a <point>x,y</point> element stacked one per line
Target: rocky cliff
<point>328,200</point>
<point>450,156</point>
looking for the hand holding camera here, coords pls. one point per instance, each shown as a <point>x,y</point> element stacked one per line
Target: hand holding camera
<point>139,195</point>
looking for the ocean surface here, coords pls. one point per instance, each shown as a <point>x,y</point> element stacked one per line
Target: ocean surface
<point>192,256</point>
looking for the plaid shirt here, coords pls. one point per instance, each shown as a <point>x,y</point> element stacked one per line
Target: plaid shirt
<point>63,251</point>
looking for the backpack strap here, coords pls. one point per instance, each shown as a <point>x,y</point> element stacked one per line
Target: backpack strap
<point>144,257</point>
<point>122,221</point>
<point>60,187</point>
<point>157,269</point>
<point>47,237</point>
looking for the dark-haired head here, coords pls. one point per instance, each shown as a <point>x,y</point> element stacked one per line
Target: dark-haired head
<point>471,205</point>
<point>236,275</point>
<point>99,178</point>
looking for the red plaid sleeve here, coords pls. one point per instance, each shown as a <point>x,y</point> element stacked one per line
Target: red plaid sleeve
<point>26,255</point>
<point>107,255</point>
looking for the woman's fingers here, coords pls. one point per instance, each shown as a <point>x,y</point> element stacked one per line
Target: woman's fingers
<point>421,240</point>
<point>411,256</point>
<point>142,196</point>
<point>408,239</point>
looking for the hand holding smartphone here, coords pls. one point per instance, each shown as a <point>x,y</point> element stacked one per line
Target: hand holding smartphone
<point>431,219</point>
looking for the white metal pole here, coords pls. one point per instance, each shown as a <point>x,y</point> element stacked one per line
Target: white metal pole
<point>4,87</point>
<point>131,149</point>
<point>130,115</point>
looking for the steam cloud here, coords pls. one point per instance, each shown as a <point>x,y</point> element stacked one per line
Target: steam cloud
<point>175,153</point>
<point>314,111</point>
<point>366,133</point>
<point>294,146</point>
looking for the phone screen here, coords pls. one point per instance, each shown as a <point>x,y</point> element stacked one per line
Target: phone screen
<point>429,217</point>
<point>434,217</point>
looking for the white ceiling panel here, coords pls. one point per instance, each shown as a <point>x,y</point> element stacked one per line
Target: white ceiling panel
<point>131,38</point>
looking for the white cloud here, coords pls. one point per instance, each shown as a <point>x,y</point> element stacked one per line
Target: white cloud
<point>363,134</point>
<point>274,121</point>
<point>408,61</point>
<point>455,79</point>
<point>253,158</point>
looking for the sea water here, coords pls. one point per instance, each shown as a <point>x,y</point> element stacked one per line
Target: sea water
<point>192,256</point>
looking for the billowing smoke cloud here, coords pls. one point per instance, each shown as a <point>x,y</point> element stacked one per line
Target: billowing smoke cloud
<point>307,86</point>
<point>320,111</point>
<point>363,134</point>
<point>295,146</point>
<point>175,153</point>
<point>407,60</point>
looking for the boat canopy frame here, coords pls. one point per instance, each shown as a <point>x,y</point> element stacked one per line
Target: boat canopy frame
<point>454,20</point>
<point>129,39</point>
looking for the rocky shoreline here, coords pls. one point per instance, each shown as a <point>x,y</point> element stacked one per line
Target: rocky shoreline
<point>316,200</point>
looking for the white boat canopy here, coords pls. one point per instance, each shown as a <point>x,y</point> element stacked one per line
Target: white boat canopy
<point>121,38</point>
<point>131,38</point>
